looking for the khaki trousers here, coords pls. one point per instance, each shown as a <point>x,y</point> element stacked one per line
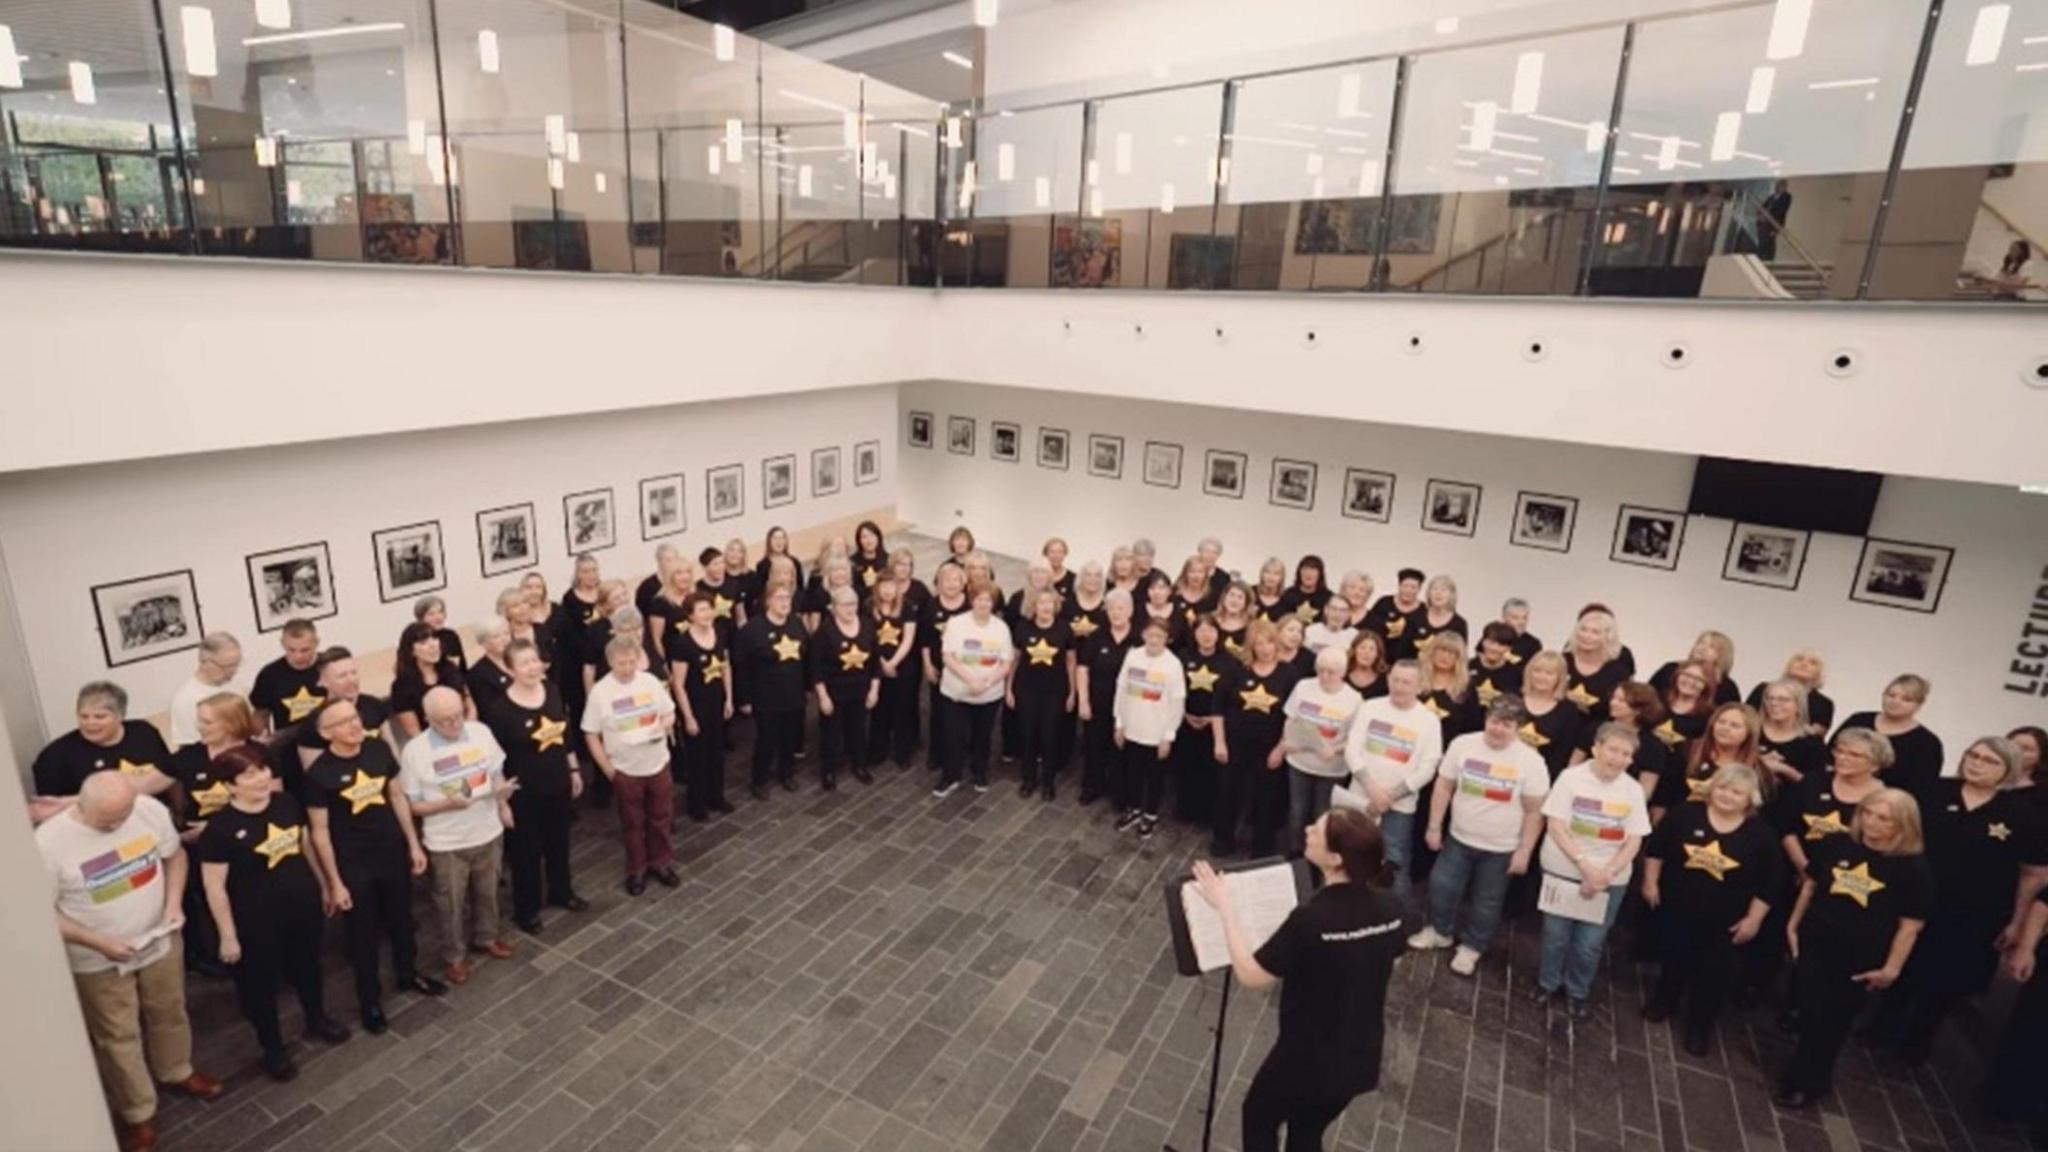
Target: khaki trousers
<point>140,1034</point>
<point>467,879</point>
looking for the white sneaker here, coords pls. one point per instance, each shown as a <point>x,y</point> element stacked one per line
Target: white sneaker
<point>1428,940</point>
<point>1464,961</point>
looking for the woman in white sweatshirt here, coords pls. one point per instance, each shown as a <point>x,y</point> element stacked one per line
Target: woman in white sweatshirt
<point>1319,715</point>
<point>1151,696</point>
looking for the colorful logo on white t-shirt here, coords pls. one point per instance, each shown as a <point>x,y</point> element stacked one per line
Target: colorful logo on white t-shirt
<point>634,716</point>
<point>974,652</point>
<point>1595,819</point>
<point>459,771</point>
<point>1325,721</point>
<point>1487,780</point>
<point>1146,684</point>
<point>128,868</point>
<point>1390,742</point>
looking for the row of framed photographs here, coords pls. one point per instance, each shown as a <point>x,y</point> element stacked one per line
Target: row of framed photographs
<point>1891,573</point>
<point>151,616</point>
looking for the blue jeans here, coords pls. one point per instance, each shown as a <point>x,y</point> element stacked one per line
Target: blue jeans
<point>1398,829</point>
<point>1308,797</point>
<point>1457,867</point>
<point>1571,948</point>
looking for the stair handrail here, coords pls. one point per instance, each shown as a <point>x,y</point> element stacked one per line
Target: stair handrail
<point>1514,233</point>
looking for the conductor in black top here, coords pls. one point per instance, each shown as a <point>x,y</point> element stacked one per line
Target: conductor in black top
<point>1334,957</point>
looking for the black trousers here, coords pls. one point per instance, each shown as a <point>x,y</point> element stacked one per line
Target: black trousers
<point>1143,783</point>
<point>1272,1103</point>
<point>202,935</point>
<point>1764,957</point>
<point>1699,962</point>
<point>1953,960</point>
<point>1101,774</point>
<point>892,728</point>
<point>704,756</point>
<point>1269,802</point>
<point>1828,998</point>
<point>971,729</point>
<point>381,895</point>
<point>1039,712</point>
<point>938,711</point>
<point>843,736</point>
<point>1194,773</point>
<point>775,742</point>
<point>280,945</point>
<point>2023,1049</point>
<point>1234,783</point>
<point>537,848</point>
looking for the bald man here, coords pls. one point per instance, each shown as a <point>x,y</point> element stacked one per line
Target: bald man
<point>117,878</point>
<point>454,775</point>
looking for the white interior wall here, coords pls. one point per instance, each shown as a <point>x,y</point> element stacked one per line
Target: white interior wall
<point>2000,537</point>
<point>209,512</point>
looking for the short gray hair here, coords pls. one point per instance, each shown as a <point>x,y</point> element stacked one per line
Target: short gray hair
<point>1512,603</point>
<point>1144,546</point>
<point>216,643</point>
<point>425,605</point>
<point>106,693</point>
<point>1628,734</point>
<point>1507,706</point>
<point>1118,596</point>
<point>844,595</point>
<point>621,646</point>
<point>510,596</point>
<point>1874,744</point>
<point>1333,658</point>
<point>492,626</point>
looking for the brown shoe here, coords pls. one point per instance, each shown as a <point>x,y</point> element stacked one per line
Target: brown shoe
<point>138,1137</point>
<point>498,950</point>
<point>457,973</point>
<point>198,1086</point>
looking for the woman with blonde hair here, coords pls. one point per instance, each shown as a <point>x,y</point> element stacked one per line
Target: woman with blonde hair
<point>1595,661</point>
<point>1234,616</point>
<point>1055,553</point>
<point>1446,684</point>
<point>1367,673</point>
<point>1861,908</point>
<point>1918,756</point>
<point>1553,724</point>
<point>1123,571</point>
<point>1439,615</point>
<point>1688,698</point>
<point>1269,595</point>
<point>1731,737</point>
<point>1716,653</point>
<point>1248,746</point>
<point>1193,595</point>
<point>1806,667</point>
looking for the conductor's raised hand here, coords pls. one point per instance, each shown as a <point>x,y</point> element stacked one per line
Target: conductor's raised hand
<point>1209,883</point>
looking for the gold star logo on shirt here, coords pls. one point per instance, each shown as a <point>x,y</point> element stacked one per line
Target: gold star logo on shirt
<point>714,670</point>
<point>1201,678</point>
<point>1822,827</point>
<point>1856,883</point>
<point>1999,832</point>
<point>593,614</point>
<point>365,791</point>
<point>1671,737</point>
<point>278,843</point>
<point>888,634</point>
<point>1084,627</point>
<point>1258,699</point>
<point>867,577</point>
<point>549,734</point>
<point>1532,737</point>
<point>300,704</point>
<point>1396,628</point>
<point>853,659</point>
<point>1584,699</point>
<point>211,799</point>
<point>1041,652</point>
<point>1514,658</point>
<point>721,607</point>
<point>1710,859</point>
<point>1306,613</point>
<point>134,770</point>
<point>1237,650</point>
<point>1435,708</point>
<point>1696,789</point>
<point>788,649</point>
<point>1487,693</point>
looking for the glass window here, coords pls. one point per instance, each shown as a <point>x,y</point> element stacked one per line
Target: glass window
<point>1027,173</point>
<point>897,166</point>
<point>696,146</point>
<point>811,129</point>
<point>1150,184</point>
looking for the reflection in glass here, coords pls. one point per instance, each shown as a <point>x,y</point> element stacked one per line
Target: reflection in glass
<point>1027,172</point>
<point>1150,184</point>
<point>696,201</point>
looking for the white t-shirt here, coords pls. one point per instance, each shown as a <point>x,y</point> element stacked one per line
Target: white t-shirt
<point>984,648</point>
<point>1490,784</point>
<point>1393,747</point>
<point>111,882</point>
<point>1319,636</point>
<point>185,709</point>
<point>432,768</point>
<point>1316,718</point>
<point>630,719</point>
<point>1600,815</point>
<point>1151,697</point>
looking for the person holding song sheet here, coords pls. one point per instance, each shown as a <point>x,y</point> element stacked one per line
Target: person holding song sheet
<point>1392,752</point>
<point>1491,787</point>
<point>1333,957</point>
<point>1598,818</point>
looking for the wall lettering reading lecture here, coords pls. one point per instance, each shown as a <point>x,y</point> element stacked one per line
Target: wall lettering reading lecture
<point>2029,671</point>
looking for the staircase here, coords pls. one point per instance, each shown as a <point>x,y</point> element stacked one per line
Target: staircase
<point>1804,281</point>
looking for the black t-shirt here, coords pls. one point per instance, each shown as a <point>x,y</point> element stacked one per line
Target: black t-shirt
<point>486,682</point>
<point>578,612</point>
<point>451,648</point>
<point>761,579</point>
<point>537,743</point>
<point>1041,657</point>
<point>373,712</point>
<point>354,792</point>
<point>1553,735</point>
<point>202,790</point>
<point>1083,622</point>
<point>643,596</point>
<point>1205,674</point>
<point>1710,876</point>
<point>866,570</point>
<point>668,617</point>
<point>590,652</point>
<point>1812,814</point>
<point>745,588</point>
<point>705,670</point>
<point>269,859</point>
<point>1335,956</point>
<point>1456,715</point>
<point>1064,585</point>
<point>1678,731</point>
<point>1231,640</point>
<point>1525,646</point>
<point>1917,757</point>
<point>1489,684</point>
<point>1976,854</point>
<point>1275,610</point>
<point>1102,654</point>
<point>1396,624</point>
<point>1804,752</point>
<point>1858,900</point>
<point>889,631</point>
<point>1820,711</point>
<point>1590,694</point>
<point>1304,606</point>
<point>1176,625</point>
<point>1686,786</point>
<point>62,766</point>
<point>1303,662</point>
<point>1420,629</point>
<point>931,625</point>
<point>726,598</point>
<point>1191,609</point>
<point>844,663</point>
<point>771,658</point>
<point>408,695</point>
<point>1725,692</point>
<point>1252,704</point>
<point>814,600</point>
<point>288,694</point>
<point>1370,690</point>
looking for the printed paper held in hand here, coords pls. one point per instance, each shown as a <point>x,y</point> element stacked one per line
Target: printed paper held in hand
<point>1560,897</point>
<point>1262,897</point>
<point>146,951</point>
<point>1352,796</point>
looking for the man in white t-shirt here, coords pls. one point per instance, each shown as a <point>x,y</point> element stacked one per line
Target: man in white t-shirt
<point>117,878</point>
<point>1598,818</point>
<point>1491,785</point>
<point>220,658</point>
<point>626,725</point>
<point>1392,752</point>
<point>454,775</point>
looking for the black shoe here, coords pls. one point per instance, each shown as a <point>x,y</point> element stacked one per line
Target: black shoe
<point>1788,1021</point>
<point>1656,1011</point>
<point>635,885</point>
<point>760,792</point>
<point>789,783</point>
<point>1129,820</point>
<point>1087,797</point>
<point>1579,1010</point>
<point>1046,792</point>
<point>721,807</point>
<point>212,969</point>
<point>667,878</point>
<point>697,815</point>
<point>574,903</point>
<point>863,775</point>
<point>829,782</point>
<point>1698,1042</point>
<point>327,1030</point>
<point>1540,995</point>
<point>374,1022</point>
<point>1147,826</point>
<point>279,1067</point>
<point>1789,1097</point>
<point>980,788</point>
<point>1026,788</point>
<point>424,985</point>
<point>531,925</point>
<point>944,789</point>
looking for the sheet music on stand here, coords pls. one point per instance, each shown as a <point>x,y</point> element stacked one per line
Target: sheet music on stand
<point>1262,893</point>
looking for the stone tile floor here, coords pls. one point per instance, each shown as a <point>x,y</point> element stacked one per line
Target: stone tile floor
<point>873,970</point>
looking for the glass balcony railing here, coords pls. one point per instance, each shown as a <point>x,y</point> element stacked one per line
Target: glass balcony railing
<point>1780,149</point>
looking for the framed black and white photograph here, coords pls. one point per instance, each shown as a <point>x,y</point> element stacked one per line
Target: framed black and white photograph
<point>1105,456</point>
<point>661,507</point>
<point>409,561</point>
<point>1054,446</point>
<point>1544,521</point>
<point>1761,554</point>
<point>1223,473</point>
<point>1005,442</point>
<point>1450,506</point>
<point>960,435</point>
<point>1162,464</point>
<point>505,539</point>
<point>291,583</point>
<point>148,616</point>
<point>1294,484</point>
<point>725,492</point>
<point>778,481</point>
<point>1368,495</point>
<point>1896,574</point>
<point>867,462</point>
<point>1651,537</point>
<point>920,429</point>
<point>824,472</point>
<point>588,523</point>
